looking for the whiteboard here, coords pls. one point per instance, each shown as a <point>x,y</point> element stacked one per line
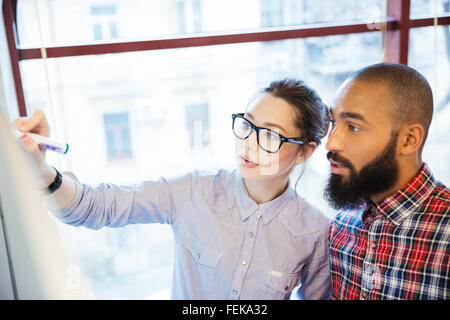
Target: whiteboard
<point>32,261</point>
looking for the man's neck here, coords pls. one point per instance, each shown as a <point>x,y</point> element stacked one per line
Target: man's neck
<point>406,173</point>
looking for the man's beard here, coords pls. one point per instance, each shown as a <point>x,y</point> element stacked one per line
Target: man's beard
<point>375,177</point>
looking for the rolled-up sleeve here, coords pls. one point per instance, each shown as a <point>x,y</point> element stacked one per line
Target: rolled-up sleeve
<point>116,206</point>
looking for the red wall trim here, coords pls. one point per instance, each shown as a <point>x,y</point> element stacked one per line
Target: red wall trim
<point>397,38</point>
<point>428,22</point>
<point>9,17</point>
<point>189,41</point>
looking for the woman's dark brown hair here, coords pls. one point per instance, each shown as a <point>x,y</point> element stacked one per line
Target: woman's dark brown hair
<point>311,112</point>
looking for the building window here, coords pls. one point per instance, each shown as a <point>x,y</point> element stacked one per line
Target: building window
<point>104,22</point>
<point>189,16</point>
<point>197,123</point>
<point>197,15</point>
<point>271,13</point>
<point>117,132</point>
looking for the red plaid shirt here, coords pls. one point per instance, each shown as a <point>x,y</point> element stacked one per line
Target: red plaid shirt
<point>395,249</point>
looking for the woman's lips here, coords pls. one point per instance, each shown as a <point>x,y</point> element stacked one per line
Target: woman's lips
<point>247,162</point>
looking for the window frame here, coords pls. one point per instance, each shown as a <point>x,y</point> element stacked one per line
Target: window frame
<point>114,122</point>
<point>397,26</point>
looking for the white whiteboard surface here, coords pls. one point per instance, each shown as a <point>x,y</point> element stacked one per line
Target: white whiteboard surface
<point>36,265</point>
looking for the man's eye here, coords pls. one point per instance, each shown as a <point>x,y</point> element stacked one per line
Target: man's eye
<point>332,122</point>
<point>353,128</point>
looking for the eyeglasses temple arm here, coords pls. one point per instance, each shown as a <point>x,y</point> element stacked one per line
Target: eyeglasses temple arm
<point>296,140</point>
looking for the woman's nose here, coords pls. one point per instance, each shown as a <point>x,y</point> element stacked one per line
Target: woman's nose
<point>252,141</point>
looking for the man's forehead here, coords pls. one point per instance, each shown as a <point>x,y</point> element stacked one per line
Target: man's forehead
<point>362,98</point>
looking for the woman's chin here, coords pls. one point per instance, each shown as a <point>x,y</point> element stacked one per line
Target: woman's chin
<point>253,173</point>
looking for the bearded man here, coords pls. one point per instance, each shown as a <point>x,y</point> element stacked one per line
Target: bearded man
<point>391,237</point>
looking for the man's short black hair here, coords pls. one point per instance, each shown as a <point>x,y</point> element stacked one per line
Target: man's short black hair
<point>410,91</point>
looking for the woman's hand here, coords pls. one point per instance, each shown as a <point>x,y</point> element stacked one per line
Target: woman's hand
<point>37,124</point>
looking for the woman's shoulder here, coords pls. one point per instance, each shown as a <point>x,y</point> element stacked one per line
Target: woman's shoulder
<point>311,211</point>
<point>217,177</point>
<point>201,176</point>
<point>302,217</point>
<point>216,186</point>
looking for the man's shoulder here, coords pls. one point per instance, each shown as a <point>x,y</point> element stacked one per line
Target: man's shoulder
<point>439,199</point>
<point>441,193</point>
<point>349,218</point>
<point>350,212</point>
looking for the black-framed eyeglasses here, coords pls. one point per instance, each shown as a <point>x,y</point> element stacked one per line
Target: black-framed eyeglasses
<point>268,140</point>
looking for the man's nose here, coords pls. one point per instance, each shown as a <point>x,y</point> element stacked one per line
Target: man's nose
<point>334,142</point>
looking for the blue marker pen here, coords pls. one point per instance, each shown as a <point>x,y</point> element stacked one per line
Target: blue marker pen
<point>45,142</point>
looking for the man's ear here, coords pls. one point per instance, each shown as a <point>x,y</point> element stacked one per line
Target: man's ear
<point>411,138</point>
<point>306,152</point>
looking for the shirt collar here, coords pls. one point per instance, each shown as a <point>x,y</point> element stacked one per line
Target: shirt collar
<point>268,210</point>
<point>405,201</point>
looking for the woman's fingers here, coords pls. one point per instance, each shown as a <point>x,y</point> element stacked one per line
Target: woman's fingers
<point>18,122</point>
<point>37,123</point>
<point>29,144</point>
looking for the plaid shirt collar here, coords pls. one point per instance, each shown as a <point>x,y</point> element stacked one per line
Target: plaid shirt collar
<point>405,201</point>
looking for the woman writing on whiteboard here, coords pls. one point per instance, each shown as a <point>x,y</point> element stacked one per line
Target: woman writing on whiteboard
<point>244,234</point>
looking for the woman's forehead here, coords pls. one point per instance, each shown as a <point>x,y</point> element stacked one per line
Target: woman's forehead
<point>267,108</point>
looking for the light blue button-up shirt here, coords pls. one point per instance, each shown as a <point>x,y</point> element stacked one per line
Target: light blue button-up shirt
<point>227,246</point>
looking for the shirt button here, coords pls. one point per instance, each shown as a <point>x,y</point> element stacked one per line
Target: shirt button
<point>244,262</point>
<point>364,295</point>
<point>198,255</point>
<point>235,292</point>
<point>250,234</point>
<point>373,245</point>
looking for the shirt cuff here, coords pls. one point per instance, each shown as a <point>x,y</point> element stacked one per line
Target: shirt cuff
<point>61,214</point>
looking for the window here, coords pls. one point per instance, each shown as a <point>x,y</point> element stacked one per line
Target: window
<point>181,16</point>
<point>271,13</point>
<point>429,53</point>
<point>189,13</point>
<point>104,22</point>
<point>427,7</point>
<point>180,98</point>
<point>197,123</point>
<point>144,20</point>
<point>117,132</point>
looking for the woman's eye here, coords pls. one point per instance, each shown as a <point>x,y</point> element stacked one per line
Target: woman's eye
<point>332,122</point>
<point>353,128</point>
<point>271,136</point>
<point>244,125</point>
